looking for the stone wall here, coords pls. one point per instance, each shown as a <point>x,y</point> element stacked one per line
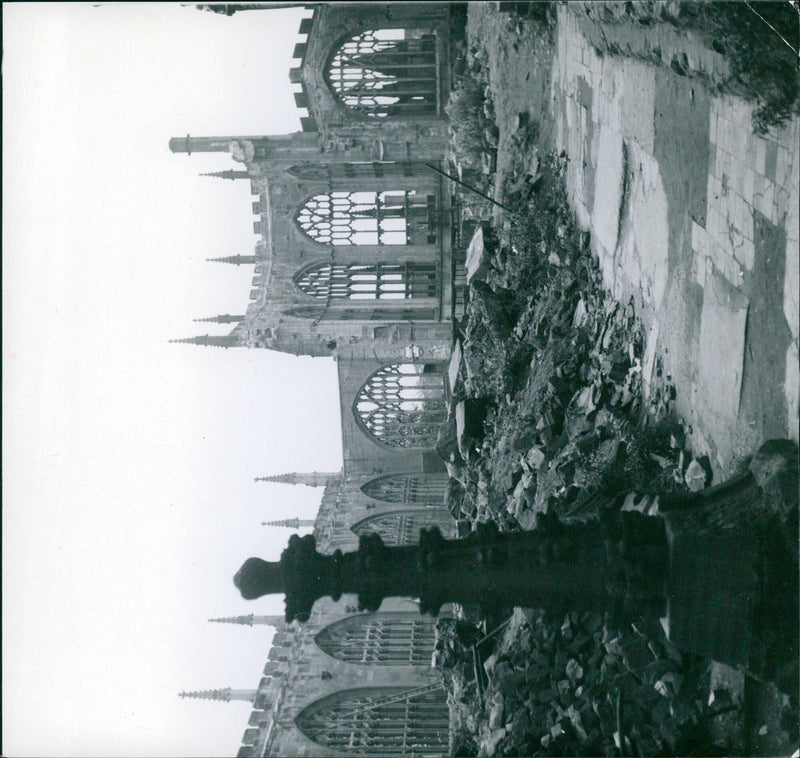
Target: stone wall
<point>344,128</point>
<point>342,149</point>
<point>298,672</point>
<point>275,299</point>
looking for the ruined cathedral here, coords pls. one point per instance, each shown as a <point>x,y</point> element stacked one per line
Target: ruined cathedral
<point>358,259</point>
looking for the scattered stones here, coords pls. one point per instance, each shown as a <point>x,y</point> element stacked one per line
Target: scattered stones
<point>677,438</point>
<point>555,685</point>
<point>496,711</point>
<point>583,410</point>
<point>478,253</point>
<point>535,458</point>
<point>489,745</point>
<point>697,476</point>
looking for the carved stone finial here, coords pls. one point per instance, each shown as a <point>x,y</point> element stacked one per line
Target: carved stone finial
<point>257,577</point>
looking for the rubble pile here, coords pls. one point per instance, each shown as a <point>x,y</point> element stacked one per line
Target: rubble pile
<point>578,686</point>
<point>474,134</point>
<point>455,659</point>
<point>558,408</point>
<point>645,13</point>
<point>557,366</point>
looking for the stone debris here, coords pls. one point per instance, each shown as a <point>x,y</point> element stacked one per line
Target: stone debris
<point>581,420</point>
<point>478,252</point>
<point>454,378</point>
<point>538,323</point>
<point>695,476</point>
<point>562,425</point>
<point>579,686</point>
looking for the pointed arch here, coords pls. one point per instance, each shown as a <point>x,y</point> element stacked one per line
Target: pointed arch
<point>402,405</point>
<point>326,280</point>
<point>365,217</point>
<point>402,527</point>
<point>408,489</point>
<point>386,72</point>
<point>380,721</point>
<point>316,172</point>
<point>380,639</point>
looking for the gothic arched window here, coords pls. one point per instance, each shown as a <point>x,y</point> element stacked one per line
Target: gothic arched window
<point>380,720</point>
<point>386,72</point>
<point>365,217</point>
<point>403,405</point>
<point>408,489</point>
<point>402,527</point>
<point>382,639</point>
<point>358,281</point>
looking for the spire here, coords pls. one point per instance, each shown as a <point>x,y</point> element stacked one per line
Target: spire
<point>236,259</point>
<point>229,174</point>
<point>226,319</point>
<point>291,523</point>
<point>226,341</point>
<point>314,479</point>
<point>225,695</point>
<point>250,620</point>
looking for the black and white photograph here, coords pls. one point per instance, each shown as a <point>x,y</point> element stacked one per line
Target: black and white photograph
<point>401,379</point>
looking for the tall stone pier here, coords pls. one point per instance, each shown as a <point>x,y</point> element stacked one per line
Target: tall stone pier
<point>728,593</point>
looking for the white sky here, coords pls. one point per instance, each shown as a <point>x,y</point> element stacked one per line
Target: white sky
<point>128,465</point>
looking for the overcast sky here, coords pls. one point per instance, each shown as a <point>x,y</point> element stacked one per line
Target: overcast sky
<point>128,462</point>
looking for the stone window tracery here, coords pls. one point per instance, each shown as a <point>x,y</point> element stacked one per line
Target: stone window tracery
<point>379,281</point>
<point>380,720</point>
<point>402,527</point>
<point>403,405</point>
<point>383,639</point>
<point>365,217</point>
<point>408,489</point>
<point>386,72</point>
